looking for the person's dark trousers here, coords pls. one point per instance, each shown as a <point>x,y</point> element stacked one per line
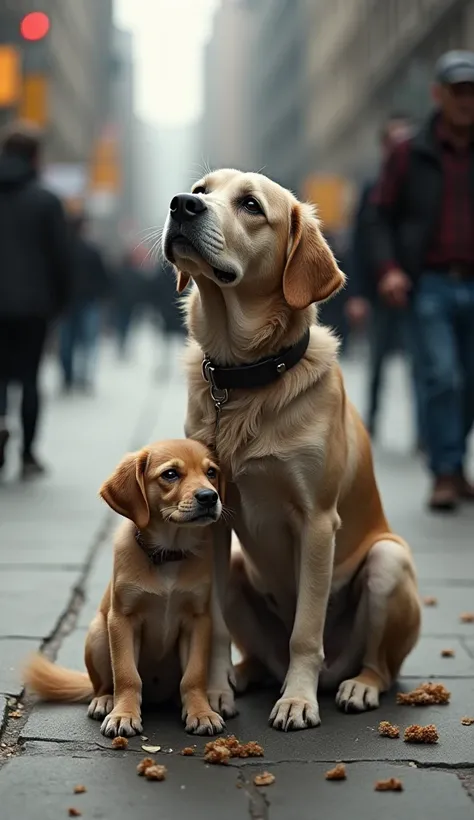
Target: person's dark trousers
<point>22,342</point>
<point>79,334</point>
<point>443,326</point>
<point>391,330</point>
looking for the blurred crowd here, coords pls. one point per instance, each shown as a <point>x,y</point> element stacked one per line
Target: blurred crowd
<point>58,288</point>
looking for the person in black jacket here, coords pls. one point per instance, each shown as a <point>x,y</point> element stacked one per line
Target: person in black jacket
<point>35,280</point>
<point>80,328</point>
<point>167,308</point>
<point>422,245</point>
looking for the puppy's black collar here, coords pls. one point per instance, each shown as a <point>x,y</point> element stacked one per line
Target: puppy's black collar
<point>159,555</point>
<point>254,375</point>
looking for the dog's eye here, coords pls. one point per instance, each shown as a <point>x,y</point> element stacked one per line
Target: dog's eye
<point>252,205</point>
<point>199,190</point>
<point>170,475</point>
<point>212,472</point>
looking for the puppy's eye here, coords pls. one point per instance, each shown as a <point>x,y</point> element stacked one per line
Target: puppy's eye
<point>200,189</point>
<point>252,205</point>
<point>212,472</point>
<point>170,475</point>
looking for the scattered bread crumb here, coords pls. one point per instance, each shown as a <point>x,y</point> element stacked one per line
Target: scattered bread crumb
<point>338,773</point>
<point>188,751</point>
<point>421,734</point>
<point>387,729</point>
<point>447,653</point>
<point>16,715</point>
<point>426,694</point>
<point>119,743</point>
<point>144,765</point>
<point>74,812</point>
<point>156,772</point>
<point>467,721</point>
<point>467,618</point>
<point>430,600</point>
<point>221,750</point>
<point>79,789</point>
<point>393,784</point>
<point>265,779</point>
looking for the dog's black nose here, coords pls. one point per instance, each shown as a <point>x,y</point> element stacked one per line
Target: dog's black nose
<point>206,498</point>
<point>184,207</point>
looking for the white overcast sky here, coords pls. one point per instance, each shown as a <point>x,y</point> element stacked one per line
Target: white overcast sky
<point>169,40</point>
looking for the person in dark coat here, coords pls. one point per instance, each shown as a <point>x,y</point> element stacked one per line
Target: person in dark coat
<point>35,280</point>
<point>80,328</point>
<point>128,295</point>
<point>168,311</point>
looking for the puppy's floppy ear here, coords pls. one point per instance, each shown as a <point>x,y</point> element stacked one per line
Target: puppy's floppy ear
<point>183,280</point>
<point>125,490</point>
<point>311,273</point>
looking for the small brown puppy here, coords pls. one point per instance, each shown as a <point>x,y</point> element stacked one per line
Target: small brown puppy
<point>153,629</point>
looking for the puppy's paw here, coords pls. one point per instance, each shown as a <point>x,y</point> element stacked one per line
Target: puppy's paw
<point>223,701</point>
<point>100,707</point>
<point>293,714</point>
<point>356,696</point>
<point>204,723</point>
<point>121,725</point>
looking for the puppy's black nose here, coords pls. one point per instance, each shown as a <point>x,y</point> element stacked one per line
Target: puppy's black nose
<point>206,498</point>
<point>184,207</point>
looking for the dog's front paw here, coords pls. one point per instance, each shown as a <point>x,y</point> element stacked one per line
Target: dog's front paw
<point>222,700</point>
<point>356,696</point>
<point>293,714</point>
<point>121,725</point>
<point>204,723</point>
<point>100,707</point>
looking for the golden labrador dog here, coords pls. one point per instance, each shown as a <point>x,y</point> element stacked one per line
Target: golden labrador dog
<point>153,628</point>
<point>318,565</point>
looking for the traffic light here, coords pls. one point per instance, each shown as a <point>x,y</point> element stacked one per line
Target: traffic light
<point>34,26</point>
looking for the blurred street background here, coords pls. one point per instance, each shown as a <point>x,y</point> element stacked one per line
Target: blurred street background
<point>108,108</point>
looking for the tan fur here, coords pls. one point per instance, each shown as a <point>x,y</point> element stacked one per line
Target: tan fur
<point>153,630</point>
<point>301,485</point>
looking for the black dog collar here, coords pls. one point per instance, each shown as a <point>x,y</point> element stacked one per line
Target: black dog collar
<point>159,555</point>
<point>257,374</point>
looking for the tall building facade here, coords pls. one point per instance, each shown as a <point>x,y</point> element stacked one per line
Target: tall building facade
<point>367,58</point>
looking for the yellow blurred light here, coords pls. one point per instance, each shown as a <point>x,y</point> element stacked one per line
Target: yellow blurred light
<point>34,101</point>
<point>10,76</point>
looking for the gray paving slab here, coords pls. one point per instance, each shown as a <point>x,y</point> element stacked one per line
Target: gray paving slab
<point>32,601</point>
<point>455,568</point>
<point>13,654</point>
<point>100,576</point>
<point>43,787</point>
<point>470,647</point>
<point>444,618</point>
<point>426,660</point>
<point>3,710</point>
<point>347,737</point>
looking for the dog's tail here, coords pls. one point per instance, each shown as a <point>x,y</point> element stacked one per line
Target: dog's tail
<point>53,682</point>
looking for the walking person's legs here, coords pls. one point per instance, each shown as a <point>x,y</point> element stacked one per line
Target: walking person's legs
<point>4,434</point>
<point>90,324</point>
<point>465,334</point>
<point>35,338</point>
<point>380,337</point>
<point>67,348</point>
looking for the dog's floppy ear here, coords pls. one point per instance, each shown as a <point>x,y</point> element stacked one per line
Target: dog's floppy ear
<point>183,280</point>
<point>311,273</point>
<point>125,490</point>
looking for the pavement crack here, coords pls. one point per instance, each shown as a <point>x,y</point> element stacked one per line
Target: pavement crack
<point>258,803</point>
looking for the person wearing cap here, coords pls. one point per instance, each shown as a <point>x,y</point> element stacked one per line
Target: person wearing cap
<point>421,230</point>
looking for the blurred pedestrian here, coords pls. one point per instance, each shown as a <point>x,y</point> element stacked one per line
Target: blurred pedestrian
<point>389,327</point>
<point>423,246</point>
<point>168,311</point>
<point>128,294</point>
<point>35,280</point>
<point>80,328</point>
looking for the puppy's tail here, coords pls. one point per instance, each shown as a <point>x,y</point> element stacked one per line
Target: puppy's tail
<point>53,682</point>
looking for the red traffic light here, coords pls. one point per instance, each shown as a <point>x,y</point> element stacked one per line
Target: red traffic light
<point>35,25</point>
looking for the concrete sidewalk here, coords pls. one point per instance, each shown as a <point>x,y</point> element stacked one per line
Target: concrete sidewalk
<point>58,538</point>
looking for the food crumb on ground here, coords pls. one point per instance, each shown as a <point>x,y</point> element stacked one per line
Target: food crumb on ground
<point>338,773</point>
<point>188,751</point>
<point>447,653</point>
<point>421,734</point>
<point>430,600</point>
<point>426,694</point>
<point>392,784</point>
<point>79,789</point>
<point>72,812</point>
<point>387,729</point>
<point>156,773</point>
<point>467,618</point>
<point>467,721</point>
<point>144,765</point>
<point>119,743</point>
<point>221,750</point>
<point>264,779</point>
